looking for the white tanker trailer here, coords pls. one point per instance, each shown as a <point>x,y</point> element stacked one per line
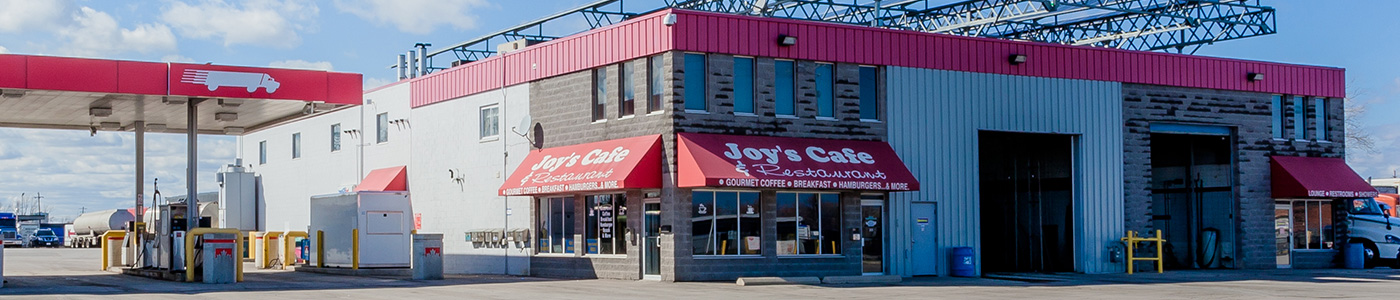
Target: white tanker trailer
<point>89,227</point>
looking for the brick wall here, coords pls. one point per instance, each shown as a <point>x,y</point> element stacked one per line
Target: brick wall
<point>1250,115</point>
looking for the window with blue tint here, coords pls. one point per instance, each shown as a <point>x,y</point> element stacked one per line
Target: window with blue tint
<point>826,99</point>
<point>743,85</point>
<point>1277,110</point>
<point>869,93</point>
<point>695,81</point>
<point>296,145</point>
<point>783,88</point>
<point>600,93</point>
<point>626,103</point>
<point>335,137</point>
<point>655,78</point>
<point>262,153</point>
<point>1300,118</point>
<point>382,128</point>
<point>1320,111</point>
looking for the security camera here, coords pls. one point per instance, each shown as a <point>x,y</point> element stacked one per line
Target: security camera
<point>310,108</point>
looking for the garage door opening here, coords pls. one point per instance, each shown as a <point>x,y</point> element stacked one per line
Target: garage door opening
<point>1027,199</point>
<point>1193,199</point>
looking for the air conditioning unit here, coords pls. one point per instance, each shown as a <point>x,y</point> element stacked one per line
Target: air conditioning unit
<point>516,45</point>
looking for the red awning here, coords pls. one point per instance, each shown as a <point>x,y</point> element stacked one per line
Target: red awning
<point>630,163</point>
<point>386,179</point>
<point>712,160</point>
<point>1317,177</point>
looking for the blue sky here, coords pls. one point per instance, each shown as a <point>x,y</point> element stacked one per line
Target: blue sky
<point>76,171</point>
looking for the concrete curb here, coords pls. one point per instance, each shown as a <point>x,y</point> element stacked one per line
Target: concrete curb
<point>388,272</point>
<point>748,281</point>
<point>878,279</point>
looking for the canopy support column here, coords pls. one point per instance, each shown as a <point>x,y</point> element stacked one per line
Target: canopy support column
<point>192,164</point>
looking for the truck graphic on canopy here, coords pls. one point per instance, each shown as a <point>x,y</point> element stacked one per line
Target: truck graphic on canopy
<point>216,79</point>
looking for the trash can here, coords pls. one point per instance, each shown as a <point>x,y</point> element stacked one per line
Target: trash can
<point>1354,256</point>
<point>963,265</point>
<point>427,256</point>
<point>220,262</point>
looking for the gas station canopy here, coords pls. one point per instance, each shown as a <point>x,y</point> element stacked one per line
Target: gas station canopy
<point>111,95</point>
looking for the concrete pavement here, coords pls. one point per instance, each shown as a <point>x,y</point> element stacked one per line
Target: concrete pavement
<point>73,274</point>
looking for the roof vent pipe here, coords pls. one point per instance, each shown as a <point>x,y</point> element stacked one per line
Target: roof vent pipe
<point>423,59</point>
<point>412,64</point>
<point>403,67</point>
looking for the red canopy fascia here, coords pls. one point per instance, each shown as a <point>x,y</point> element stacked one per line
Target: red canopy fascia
<point>385,180</point>
<point>1316,177</point>
<point>712,160</point>
<point>630,163</point>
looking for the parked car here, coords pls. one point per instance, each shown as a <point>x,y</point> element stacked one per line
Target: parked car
<point>45,237</point>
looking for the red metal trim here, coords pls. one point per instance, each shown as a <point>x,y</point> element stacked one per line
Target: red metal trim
<point>164,79</point>
<point>228,241</point>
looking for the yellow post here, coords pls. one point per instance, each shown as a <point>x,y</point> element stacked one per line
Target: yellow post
<point>1159,250</point>
<point>103,242</point>
<point>355,249</point>
<point>320,249</point>
<point>189,250</point>
<point>1131,244</point>
<point>287,243</point>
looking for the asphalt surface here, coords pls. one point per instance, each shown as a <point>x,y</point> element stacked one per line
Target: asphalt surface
<point>74,274</point>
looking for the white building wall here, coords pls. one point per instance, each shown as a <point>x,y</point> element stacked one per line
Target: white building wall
<point>448,139</point>
<point>287,184</point>
<point>959,105</point>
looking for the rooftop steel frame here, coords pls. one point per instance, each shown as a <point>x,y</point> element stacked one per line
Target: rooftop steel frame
<point>1181,26</point>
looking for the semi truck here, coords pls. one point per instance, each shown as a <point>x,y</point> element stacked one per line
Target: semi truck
<point>9,230</point>
<point>1373,224</point>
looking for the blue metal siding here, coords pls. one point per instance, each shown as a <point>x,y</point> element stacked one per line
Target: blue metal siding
<point>934,118</point>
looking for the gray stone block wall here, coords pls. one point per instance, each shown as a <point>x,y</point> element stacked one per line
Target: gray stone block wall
<point>1249,114</point>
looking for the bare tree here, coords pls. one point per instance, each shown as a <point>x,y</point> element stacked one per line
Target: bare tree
<point>1357,137</point>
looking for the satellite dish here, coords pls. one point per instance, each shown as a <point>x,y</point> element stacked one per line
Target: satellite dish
<point>522,128</point>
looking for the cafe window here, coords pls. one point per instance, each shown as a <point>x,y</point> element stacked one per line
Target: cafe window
<point>1320,114</point>
<point>655,79</point>
<point>809,223</point>
<point>743,85</point>
<point>869,93</point>
<point>607,224</point>
<point>1311,224</point>
<point>1300,119</point>
<point>626,101</point>
<point>695,82</point>
<point>783,76</point>
<point>1277,117</point>
<point>826,98</point>
<point>726,223</point>
<point>600,94</point>
<point>556,225</point>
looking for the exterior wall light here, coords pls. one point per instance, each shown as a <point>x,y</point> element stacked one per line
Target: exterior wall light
<point>1255,77</point>
<point>1016,59</point>
<point>100,112</point>
<point>787,40</point>
<point>669,20</point>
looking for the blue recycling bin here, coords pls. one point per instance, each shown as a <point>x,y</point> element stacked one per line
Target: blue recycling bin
<point>1354,256</point>
<point>963,263</point>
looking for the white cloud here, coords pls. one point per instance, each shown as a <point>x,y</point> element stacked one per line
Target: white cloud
<point>23,15</point>
<point>4,50</point>
<point>176,58</point>
<point>302,64</point>
<point>412,16</point>
<point>96,33</point>
<point>372,82</point>
<point>257,22</point>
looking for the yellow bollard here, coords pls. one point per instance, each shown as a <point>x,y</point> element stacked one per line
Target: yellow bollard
<point>355,249</point>
<point>320,249</point>
<point>1132,241</point>
<point>105,237</point>
<point>288,239</point>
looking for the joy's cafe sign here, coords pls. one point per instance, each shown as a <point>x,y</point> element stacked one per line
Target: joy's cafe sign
<point>747,161</point>
<point>607,165</point>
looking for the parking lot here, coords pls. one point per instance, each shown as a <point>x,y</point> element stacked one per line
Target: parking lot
<point>73,273</point>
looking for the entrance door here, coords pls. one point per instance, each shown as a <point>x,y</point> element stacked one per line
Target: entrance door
<point>921,239</point>
<point>1027,202</point>
<point>1193,199</point>
<point>651,241</point>
<point>1283,221</point>
<point>872,223</point>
